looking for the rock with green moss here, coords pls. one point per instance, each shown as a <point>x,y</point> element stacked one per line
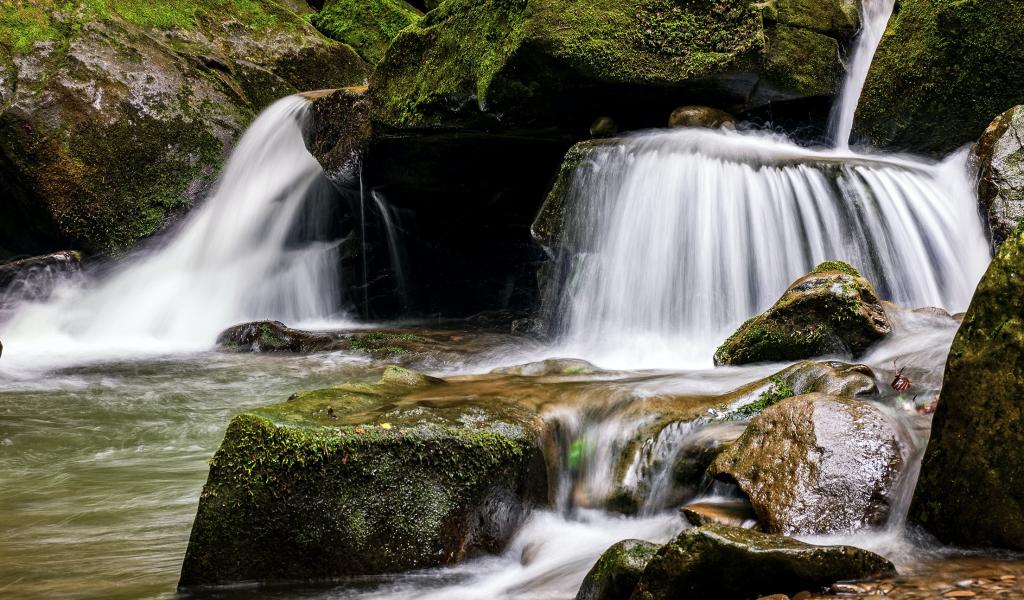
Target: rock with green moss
<point>831,311</point>
<point>410,472</point>
<point>816,464</point>
<point>535,63</point>
<point>119,114</point>
<point>617,572</point>
<point>366,25</point>
<point>999,157</point>
<point>275,336</point>
<point>971,491</point>
<point>338,134</point>
<point>549,224</point>
<point>701,116</point>
<point>716,561</point>
<point>941,72</point>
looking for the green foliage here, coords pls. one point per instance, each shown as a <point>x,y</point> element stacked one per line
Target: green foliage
<point>366,25</point>
<point>777,391</point>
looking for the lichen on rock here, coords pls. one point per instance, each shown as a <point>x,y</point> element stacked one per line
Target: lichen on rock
<point>999,158</point>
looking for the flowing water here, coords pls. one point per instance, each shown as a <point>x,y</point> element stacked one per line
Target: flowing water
<point>672,239</point>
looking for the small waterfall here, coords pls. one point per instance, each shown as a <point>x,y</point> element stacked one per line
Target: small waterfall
<point>242,255</point>
<point>395,251</point>
<point>672,239</point>
<point>874,17</point>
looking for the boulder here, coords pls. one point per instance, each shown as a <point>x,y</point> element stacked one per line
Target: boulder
<point>716,561</point>
<point>999,158</point>
<point>701,116</point>
<point>275,336</point>
<point>734,513</point>
<point>339,133</point>
<point>941,71</point>
<point>549,223</point>
<point>617,572</point>
<point>970,490</point>
<point>410,472</point>
<point>519,63</point>
<point>368,26</point>
<point>114,118</point>
<point>34,278</point>
<point>832,310</point>
<point>816,464</point>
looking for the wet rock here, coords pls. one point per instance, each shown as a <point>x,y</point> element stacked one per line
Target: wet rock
<point>119,118</point>
<point>827,377</point>
<point>339,132</point>
<point>970,491</point>
<point>617,572</point>
<point>603,127</point>
<point>701,116</point>
<point>551,366</point>
<point>816,464</point>
<point>832,310</point>
<point>734,513</point>
<point>366,25</point>
<point>999,157</point>
<point>559,62</point>
<point>715,561</point>
<point>275,336</point>
<point>361,479</point>
<point>940,73</point>
<point>549,223</point>
<point>33,278</point>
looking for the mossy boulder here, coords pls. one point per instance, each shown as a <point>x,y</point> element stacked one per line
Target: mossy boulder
<point>549,224</point>
<point>816,464</point>
<point>999,158</point>
<point>366,25</point>
<point>941,71</point>
<point>119,114</point>
<point>617,572</point>
<point>537,63</point>
<point>971,487</point>
<point>361,479</point>
<point>701,116</point>
<point>275,336</point>
<point>716,561</point>
<point>831,311</point>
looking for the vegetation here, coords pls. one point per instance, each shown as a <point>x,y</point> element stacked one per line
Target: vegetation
<point>366,25</point>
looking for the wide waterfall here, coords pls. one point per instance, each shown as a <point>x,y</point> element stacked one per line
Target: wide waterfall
<point>672,239</point>
<point>251,251</point>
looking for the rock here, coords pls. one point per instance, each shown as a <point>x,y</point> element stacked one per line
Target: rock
<point>549,223</point>
<point>275,336</point>
<point>603,127</point>
<point>339,134</point>
<point>715,561</point>
<point>999,158</point>
<point>491,63</point>
<point>362,479</point>
<point>701,116</point>
<point>551,367</point>
<point>118,118</point>
<point>33,278</point>
<point>734,513</point>
<point>970,491</point>
<point>940,73</point>
<point>366,25</point>
<point>618,570</point>
<point>816,464</point>
<point>832,310</point>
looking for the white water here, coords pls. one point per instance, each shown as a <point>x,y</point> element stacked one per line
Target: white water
<point>672,239</point>
<point>874,16</point>
<point>233,259</point>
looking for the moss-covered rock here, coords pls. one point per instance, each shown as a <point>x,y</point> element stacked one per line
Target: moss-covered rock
<point>617,572</point>
<point>565,62</point>
<point>816,464</point>
<point>363,479</point>
<point>339,133</point>
<point>119,113</point>
<point>549,224</point>
<point>701,116</point>
<point>832,310</point>
<point>941,72</point>
<point>971,487</point>
<point>716,561</point>
<point>366,25</point>
<point>999,158</point>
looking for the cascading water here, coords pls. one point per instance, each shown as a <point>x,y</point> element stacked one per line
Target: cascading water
<point>235,258</point>
<point>874,16</point>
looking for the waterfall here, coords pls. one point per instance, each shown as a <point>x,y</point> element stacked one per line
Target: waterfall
<point>672,239</point>
<point>874,17</point>
<point>395,251</point>
<point>244,254</point>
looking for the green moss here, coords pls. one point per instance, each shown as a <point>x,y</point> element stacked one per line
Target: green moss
<point>778,391</point>
<point>617,571</point>
<point>382,343</point>
<point>944,69</point>
<point>366,25</point>
<point>836,266</point>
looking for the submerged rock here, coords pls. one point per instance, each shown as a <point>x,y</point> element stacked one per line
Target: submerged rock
<point>701,116</point>
<point>941,72</point>
<point>564,62</point>
<point>716,561</point>
<point>617,572</point>
<point>551,366</point>
<point>970,490</point>
<point>117,117</point>
<point>816,464</point>
<point>360,479</point>
<point>999,156</point>
<point>832,310</point>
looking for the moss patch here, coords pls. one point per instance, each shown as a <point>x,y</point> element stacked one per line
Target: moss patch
<point>366,25</point>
